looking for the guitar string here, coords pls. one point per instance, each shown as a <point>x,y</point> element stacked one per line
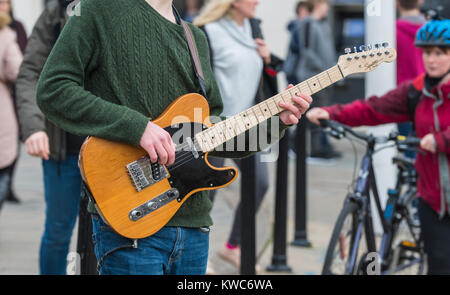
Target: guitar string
<point>188,156</point>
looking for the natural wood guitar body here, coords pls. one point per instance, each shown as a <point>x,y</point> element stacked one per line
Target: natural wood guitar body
<point>103,166</point>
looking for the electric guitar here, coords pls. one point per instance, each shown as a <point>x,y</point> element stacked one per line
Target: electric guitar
<point>137,197</point>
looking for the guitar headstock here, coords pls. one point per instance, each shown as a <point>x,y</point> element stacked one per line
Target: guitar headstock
<point>366,59</point>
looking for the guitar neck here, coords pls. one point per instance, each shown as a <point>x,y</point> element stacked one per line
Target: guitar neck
<point>236,125</point>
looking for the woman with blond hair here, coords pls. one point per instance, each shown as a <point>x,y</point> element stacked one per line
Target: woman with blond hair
<point>10,60</point>
<point>238,60</point>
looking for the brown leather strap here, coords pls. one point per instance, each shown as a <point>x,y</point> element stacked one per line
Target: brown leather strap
<point>195,57</point>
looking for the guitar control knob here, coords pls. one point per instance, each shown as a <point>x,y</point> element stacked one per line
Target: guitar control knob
<point>173,194</point>
<point>151,205</point>
<point>135,214</point>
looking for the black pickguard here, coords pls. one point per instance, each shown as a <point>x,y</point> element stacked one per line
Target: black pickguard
<point>189,173</point>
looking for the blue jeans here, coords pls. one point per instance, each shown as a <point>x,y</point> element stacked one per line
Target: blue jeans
<point>62,187</point>
<point>171,250</point>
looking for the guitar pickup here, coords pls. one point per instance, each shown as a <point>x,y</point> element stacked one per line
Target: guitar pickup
<point>143,173</point>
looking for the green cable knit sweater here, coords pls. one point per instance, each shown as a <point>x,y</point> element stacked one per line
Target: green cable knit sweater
<point>117,66</point>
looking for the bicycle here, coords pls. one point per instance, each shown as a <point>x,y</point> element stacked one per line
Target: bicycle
<point>352,248</point>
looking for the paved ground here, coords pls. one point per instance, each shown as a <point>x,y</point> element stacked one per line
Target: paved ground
<point>21,226</point>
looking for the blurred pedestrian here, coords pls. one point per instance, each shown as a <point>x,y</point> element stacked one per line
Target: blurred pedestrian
<point>318,53</point>
<point>17,26</point>
<point>58,149</point>
<point>10,60</point>
<point>302,11</point>
<point>21,39</point>
<point>409,57</point>
<point>409,60</point>
<point>239,58</point>
<point>192,9</point>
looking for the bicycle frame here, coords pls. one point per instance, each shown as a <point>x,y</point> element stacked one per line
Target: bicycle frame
<point>365,184</point>
<point>365,189</point>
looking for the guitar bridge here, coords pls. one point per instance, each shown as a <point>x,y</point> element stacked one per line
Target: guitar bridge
<point>143,173</point>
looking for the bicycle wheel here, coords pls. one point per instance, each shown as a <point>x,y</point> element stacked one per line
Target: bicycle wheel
<point>407,256</point>
<point>337,259</point>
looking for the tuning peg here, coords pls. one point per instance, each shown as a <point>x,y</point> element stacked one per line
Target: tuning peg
<point>363,48</point>
<point>385,44</point>
<point>378,46</point>
<point>348,51</point>
<point>371,51</point>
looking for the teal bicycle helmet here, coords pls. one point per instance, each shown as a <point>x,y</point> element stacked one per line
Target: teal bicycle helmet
<point>434,33</point>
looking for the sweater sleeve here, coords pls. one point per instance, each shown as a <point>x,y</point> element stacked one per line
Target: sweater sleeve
<point>61,94</point>
<point>389,108</point>
<point>39,47</point>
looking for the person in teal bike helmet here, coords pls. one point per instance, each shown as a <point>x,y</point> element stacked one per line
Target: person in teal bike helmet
<point>426,102</point>
<point>434,33</point>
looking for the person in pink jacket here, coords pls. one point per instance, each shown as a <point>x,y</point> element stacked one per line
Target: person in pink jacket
<point>10,60</point>
<point>425,101</point>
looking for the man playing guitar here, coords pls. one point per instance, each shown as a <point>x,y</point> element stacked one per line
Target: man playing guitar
<point>116,66</point>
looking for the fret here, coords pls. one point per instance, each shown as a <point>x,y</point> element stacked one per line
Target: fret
<point>246,120</point>
<point>201,138</point>
<point>304,88</point>
<point>211,137</point>
<point>309,87</point>
<point>266,108</point>
<point>240,123</point>
<point>253,117</point>
<point>276,100</point>
<point>236,126</point>
<point>282,98</point>
<point>336,74</point>
<point>214,136</point>
<point>289,100</point>
<point>273,105</point>
<point>219,134</point>
<point>313,85</point>
<point>324,80</point>
<point>258,113</point>
<point>225,130</point>
<point>318,81</point>
<point>230,128</point>
<point>329,77</point>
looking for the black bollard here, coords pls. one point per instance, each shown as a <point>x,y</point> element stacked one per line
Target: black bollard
<point>85,247</point>
<point>279,258</point>
<point>248,215</point>
<point>300,233</point>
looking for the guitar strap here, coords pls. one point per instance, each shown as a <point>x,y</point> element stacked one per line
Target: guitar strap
<point>194,54</point>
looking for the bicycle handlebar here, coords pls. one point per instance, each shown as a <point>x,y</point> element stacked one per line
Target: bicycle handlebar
<point>339,130</point>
